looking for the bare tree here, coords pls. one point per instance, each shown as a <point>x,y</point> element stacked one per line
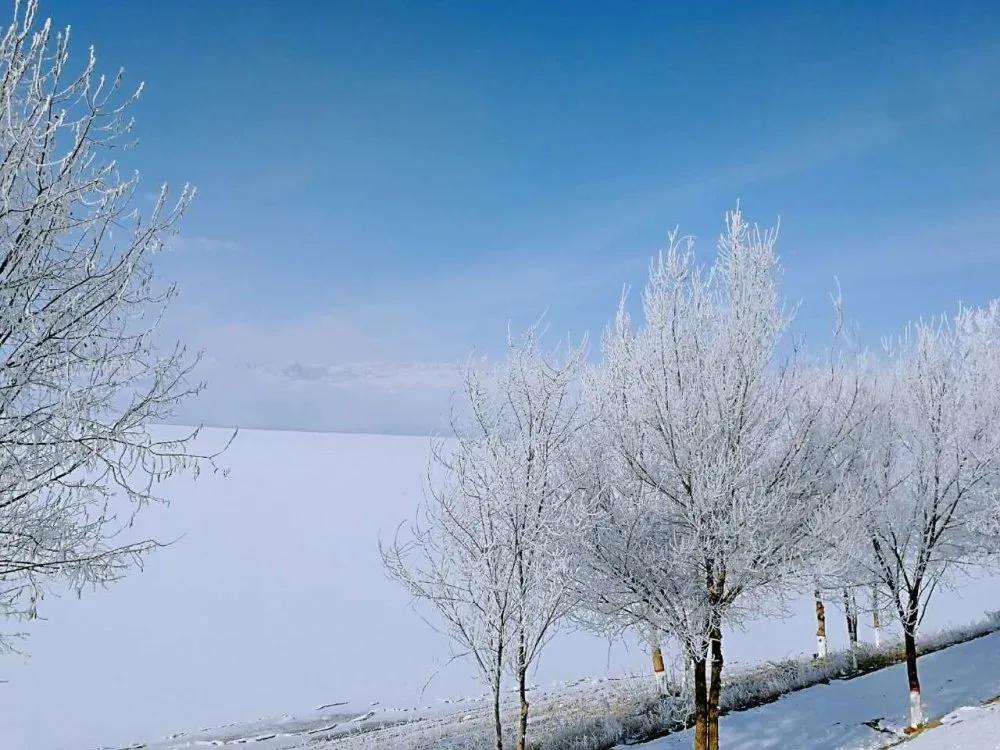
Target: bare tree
<point>487,556</point>
<point>933,459</point>
<point>80,377</point>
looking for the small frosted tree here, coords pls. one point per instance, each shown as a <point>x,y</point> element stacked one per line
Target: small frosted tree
<point>456,558</point>
<point>933,461</point>
<point>80,377</point>
<point>486,557</point>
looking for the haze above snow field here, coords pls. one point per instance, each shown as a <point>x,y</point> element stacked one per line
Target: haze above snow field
<point>273,600</point>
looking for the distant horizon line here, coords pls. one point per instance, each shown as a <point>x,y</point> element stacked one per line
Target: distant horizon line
<point>317,431</point>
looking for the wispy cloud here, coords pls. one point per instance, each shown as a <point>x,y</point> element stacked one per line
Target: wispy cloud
<point>333,372</point>
<point>392,376</point>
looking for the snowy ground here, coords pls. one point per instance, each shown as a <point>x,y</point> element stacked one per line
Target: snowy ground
<point>347,727</point>
<point>839,715</point>
<point>844,714</point>
<point>968,727</point>
<point>273,601</point>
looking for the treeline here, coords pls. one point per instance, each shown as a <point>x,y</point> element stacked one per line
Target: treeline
<point>702,470</point>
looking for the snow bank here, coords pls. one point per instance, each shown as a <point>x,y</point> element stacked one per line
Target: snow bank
<point>968,727</point>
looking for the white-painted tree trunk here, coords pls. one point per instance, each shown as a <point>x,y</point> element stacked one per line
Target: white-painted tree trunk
<point>876,617</point>
<point>916,709</point>
<point>659,671</point>
<point>821,647</point>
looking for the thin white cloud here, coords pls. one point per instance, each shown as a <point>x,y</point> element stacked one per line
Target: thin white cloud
<point>392,376</point>
<point>340,373</point>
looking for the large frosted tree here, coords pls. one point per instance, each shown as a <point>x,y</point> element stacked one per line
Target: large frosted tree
<point>80,377</point>
<point>724,450</point>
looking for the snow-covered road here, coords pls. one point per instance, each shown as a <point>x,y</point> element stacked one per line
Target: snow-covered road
<point>834,716</point>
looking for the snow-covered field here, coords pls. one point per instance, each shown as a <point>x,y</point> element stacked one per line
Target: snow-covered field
<point>841,715</point>
<point>273,602</point>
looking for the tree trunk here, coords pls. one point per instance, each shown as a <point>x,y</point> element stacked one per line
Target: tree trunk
<point>910,646</point>
<point>496,716</point>
<point>522,654</point>
<point>698,664</point>
<point>659,672</point>
<point>522,726</point>
<point>821,650</point>
<point>686,679</point>
<point>715,688</point>
<point>522,669</point>
<point>876,617</point>
<point>851,613</point>
<point>497,684</point>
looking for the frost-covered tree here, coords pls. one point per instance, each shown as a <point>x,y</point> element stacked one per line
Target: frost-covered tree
<point>535,416</point>
<point>80,377</point>
<point>456,559</point>
<point>846,570</point>
<point>722,449</point>
<point>933,461</point>
<point>487,553</point>
<point>628,560</point>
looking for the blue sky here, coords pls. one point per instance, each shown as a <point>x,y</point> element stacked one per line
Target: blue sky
<point>383,186</point>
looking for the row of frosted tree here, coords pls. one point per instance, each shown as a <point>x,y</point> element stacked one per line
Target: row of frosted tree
<point>701,470</point>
